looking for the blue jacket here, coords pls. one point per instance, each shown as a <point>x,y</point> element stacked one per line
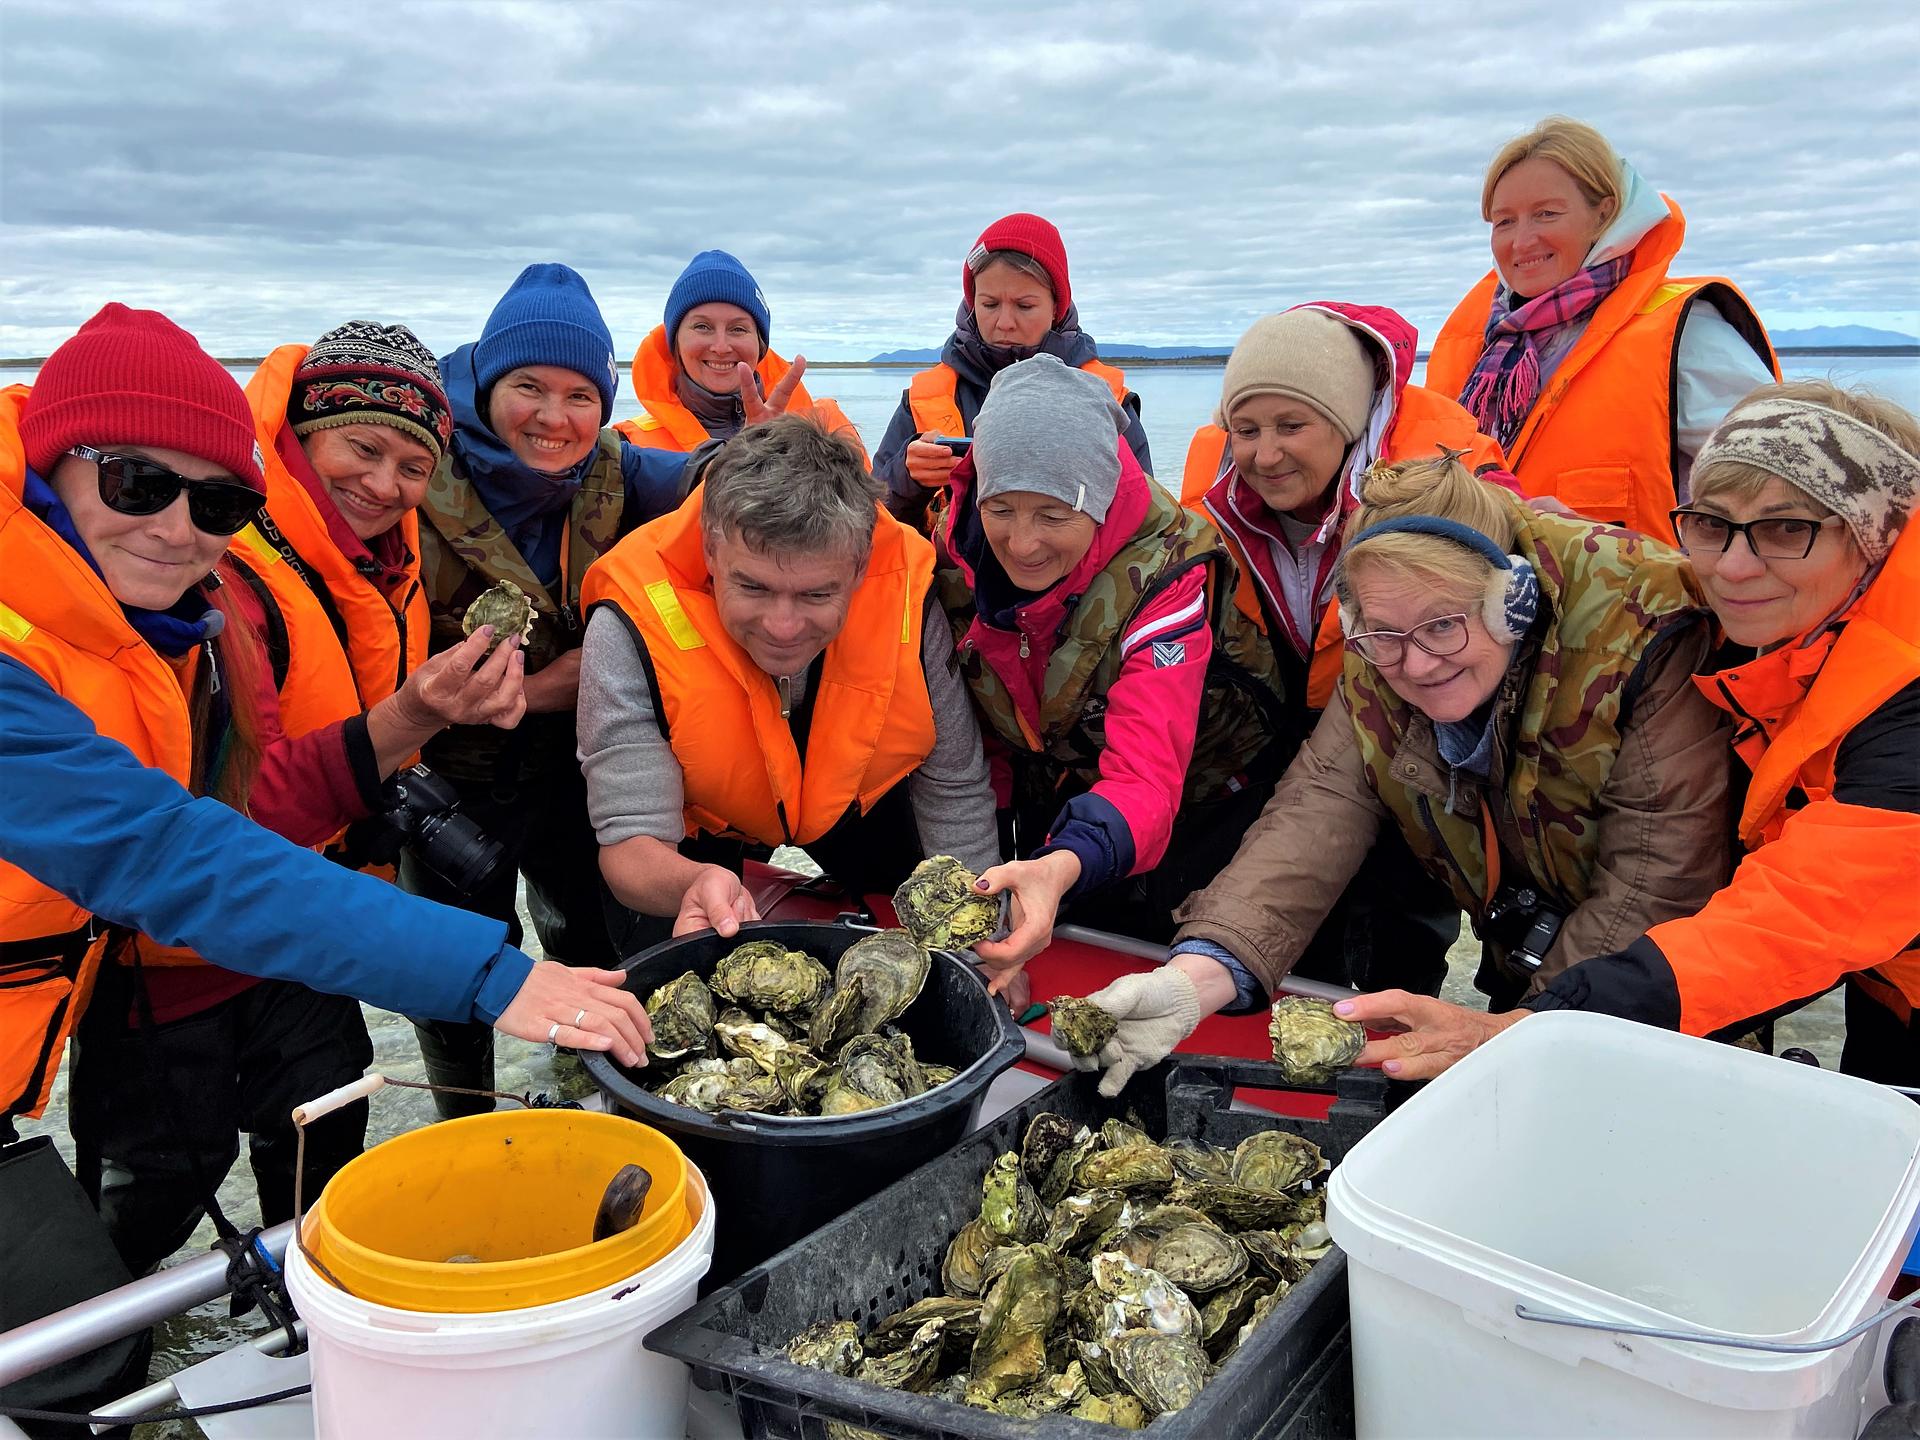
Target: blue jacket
<point>80,813</point>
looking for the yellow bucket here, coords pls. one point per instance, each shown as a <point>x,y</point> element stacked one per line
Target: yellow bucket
<point>517,1191</point>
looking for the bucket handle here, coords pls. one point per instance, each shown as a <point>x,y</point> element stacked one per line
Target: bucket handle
<point>1718,1337</point>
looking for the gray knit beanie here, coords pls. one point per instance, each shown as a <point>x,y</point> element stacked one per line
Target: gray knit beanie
<point>1305,354</point>
<point>1843,463</point>
<point>1049,429</point>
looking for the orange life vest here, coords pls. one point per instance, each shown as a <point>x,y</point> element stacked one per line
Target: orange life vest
<point>931,396</point>
<point>667,424</point>
<point>382,642</point>
<point>1602,437</point>
<point>1849,874</point>
<point>58,618</point>
<point>1422,420</point>
<point>872,723</point>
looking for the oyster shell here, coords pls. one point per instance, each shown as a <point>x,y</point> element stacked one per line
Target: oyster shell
<point>1118,1134</point>
<point>1262,1308</point>
<point>753,1041</point>
<point>1272,1253</point>
<point>838,1020</point>
<point>1229,1309</point>
<point>962,1272</point>
<point>1081,1027</point>
<point>1047,1135</point>
<point>704,1092</point>
<point>1165,1371</point>
<point>914,1366</point>
<point>828,1345</point>
<point>1058,1182</point>
<point>940,909</point>
<point>1193,1160</point>
<point>1053,1394</point>
<point>761,1093</point>
<point>1199,1258</point>
<point>1310,1042</point>
<point>1019,1310</point>
<point>1140,1298</point>
<point>959,1313</point>
<point>1009,1208</point>
<point>1131,1167</point>
<point>891,968</point>
<point>799,1072</point>
<point>765,975</point>
<point>1276,1160</point>
<point>1234,1207</point>
<point>1123,1411</point>
<point>1080,1218</point>
<point>682,1014</point>
<point>504,606</point>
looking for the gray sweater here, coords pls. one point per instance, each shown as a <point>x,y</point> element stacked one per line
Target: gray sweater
<point>634,779</point>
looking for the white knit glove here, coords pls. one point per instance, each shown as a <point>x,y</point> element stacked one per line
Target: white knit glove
<point>1156,1010</point>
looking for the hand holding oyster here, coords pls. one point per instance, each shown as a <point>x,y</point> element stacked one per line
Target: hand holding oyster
<point>1310,1042</point>
<point>506,608</point>
<point>940,909</point>
<point>1081,1027</point>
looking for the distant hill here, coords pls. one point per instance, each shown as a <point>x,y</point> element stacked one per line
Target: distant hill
<point>1107,352</point>
<point>1821,336</point>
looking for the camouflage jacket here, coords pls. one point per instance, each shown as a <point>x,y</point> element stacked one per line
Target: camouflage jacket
<point>1623,821</point>
<point>1242,733</point>
<point>463,551</point>
<point>1612,596</point>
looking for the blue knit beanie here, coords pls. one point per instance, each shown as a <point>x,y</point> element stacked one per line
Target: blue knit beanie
<point>716,275</point>
<point>547,317</point>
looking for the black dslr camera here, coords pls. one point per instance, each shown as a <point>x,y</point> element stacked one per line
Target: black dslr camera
<point>420,813</point>
<point>1524,921</point>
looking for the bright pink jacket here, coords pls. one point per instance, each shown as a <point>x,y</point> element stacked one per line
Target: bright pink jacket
<point>1121,826</point>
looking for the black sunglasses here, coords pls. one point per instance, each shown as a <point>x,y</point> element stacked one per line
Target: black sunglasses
<point>135,485</point>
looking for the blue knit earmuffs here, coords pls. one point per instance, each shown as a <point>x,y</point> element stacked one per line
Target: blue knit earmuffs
<point>1513,591</point>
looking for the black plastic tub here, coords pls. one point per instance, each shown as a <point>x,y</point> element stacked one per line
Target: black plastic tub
<point>776,1178</point>
<point>1292,1380</point>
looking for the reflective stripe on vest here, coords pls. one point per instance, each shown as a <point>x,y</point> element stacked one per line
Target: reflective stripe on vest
<point>872,723</point>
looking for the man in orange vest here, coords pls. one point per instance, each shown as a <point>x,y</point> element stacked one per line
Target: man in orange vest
<point>761,668</point>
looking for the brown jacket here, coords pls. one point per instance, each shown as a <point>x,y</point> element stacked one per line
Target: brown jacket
<point>1665,837</point>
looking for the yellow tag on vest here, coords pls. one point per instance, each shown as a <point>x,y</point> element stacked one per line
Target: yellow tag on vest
<point>667,605</point>
<point>1665,295</point>
<point>256,543</point>
<point>14,626</point>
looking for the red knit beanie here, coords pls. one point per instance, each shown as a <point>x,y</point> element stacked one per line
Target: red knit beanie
<point>1026,235</point>
<point>133,377</point>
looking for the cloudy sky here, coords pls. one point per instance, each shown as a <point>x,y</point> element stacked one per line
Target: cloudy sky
<point>264,172</point>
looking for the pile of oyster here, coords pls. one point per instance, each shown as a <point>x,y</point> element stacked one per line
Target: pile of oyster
<point>1107,1276</point>
<point>773,1031</point>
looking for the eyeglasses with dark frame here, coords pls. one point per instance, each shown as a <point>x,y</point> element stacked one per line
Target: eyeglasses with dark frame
<point>1440,637</point>
<point>1778,537</point>
<point>136,485</point>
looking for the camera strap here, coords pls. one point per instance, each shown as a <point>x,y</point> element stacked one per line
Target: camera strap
<point>1490,843</point>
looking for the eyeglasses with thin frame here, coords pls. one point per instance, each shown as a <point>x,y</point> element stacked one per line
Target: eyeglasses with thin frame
<point>135,485</point>
<point>1440,637</point>
<point>1778,537</point>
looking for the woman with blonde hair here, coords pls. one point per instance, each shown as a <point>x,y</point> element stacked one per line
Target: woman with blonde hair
<point>1518,701</point>
<point>1798,532</point>
<point>1599,373</point>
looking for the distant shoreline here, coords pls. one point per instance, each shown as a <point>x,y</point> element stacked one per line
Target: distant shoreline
<point>34,362</point>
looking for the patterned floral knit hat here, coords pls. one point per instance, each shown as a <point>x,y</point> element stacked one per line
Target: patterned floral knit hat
<point>365,373</point>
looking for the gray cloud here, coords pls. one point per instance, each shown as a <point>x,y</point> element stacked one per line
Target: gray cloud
<point>263,175</point>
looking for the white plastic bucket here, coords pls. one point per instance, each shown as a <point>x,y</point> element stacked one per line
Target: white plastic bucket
<point>1603,1169</point>
<point>576,1368</point>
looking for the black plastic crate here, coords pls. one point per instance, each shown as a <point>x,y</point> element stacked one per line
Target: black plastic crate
<point>1291,1379</point>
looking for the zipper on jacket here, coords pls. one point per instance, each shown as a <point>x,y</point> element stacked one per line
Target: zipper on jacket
<point>1025,651</point>
<point>784,684</point>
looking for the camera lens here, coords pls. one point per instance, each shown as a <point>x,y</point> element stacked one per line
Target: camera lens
<point>456,849</point>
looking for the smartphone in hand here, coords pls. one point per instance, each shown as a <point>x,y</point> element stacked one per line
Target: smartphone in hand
<point>956,444</point>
